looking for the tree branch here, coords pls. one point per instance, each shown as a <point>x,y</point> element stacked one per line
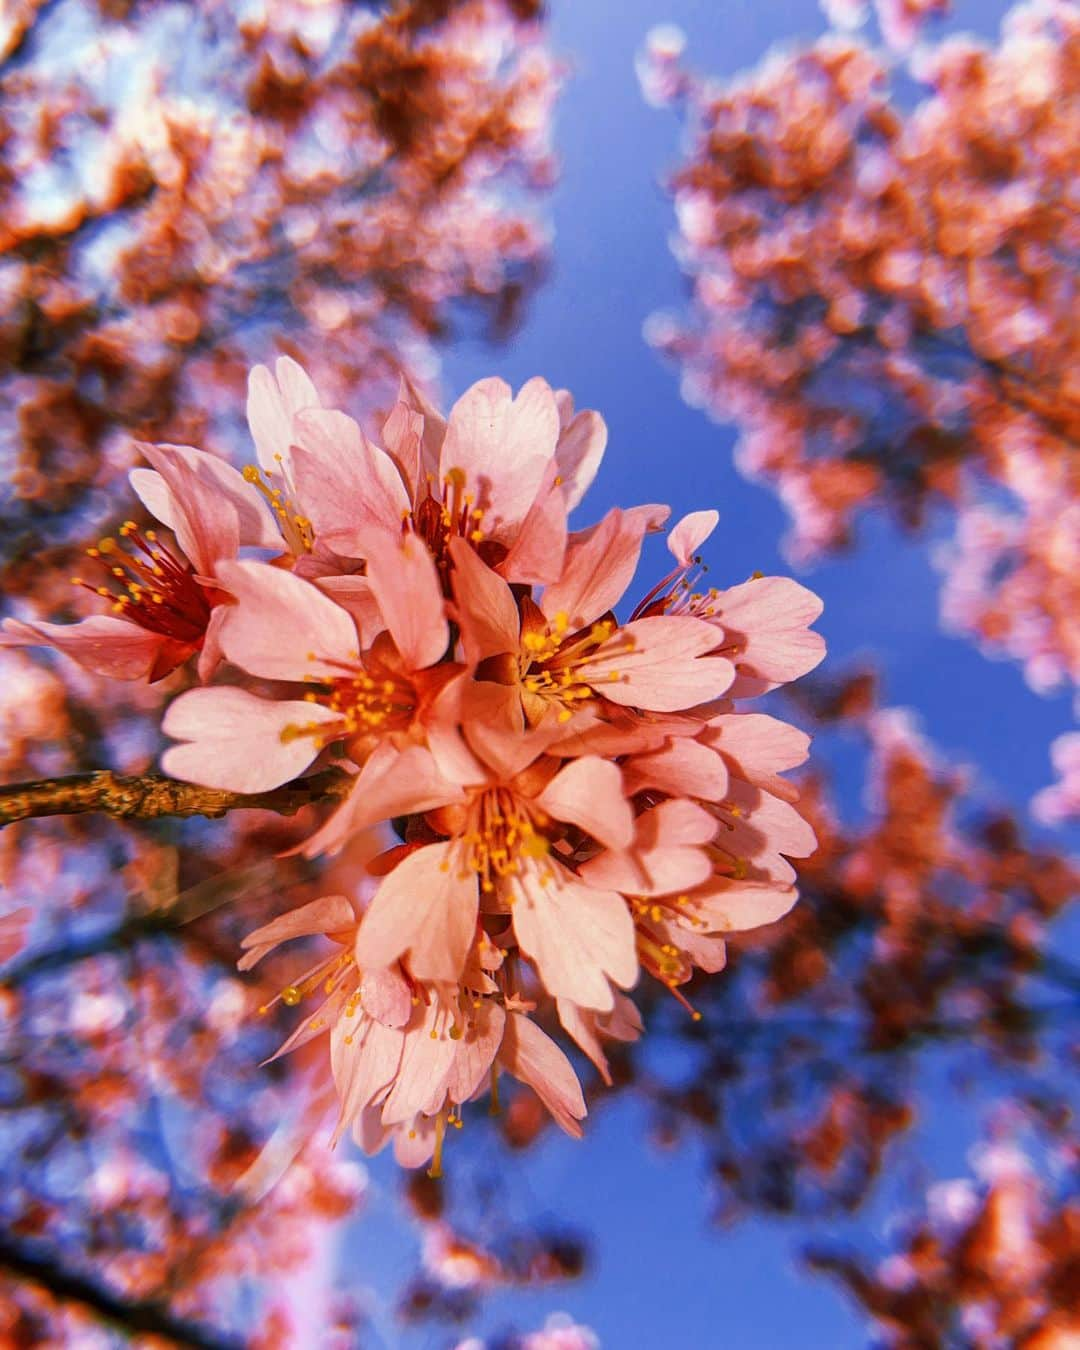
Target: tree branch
<point>150,796</point>
<point>142,1316</point>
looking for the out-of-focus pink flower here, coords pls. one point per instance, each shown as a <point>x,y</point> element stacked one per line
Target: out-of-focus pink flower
<point>1060,802</point>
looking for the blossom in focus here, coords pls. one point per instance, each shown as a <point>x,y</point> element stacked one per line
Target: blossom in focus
<point>578,796</point>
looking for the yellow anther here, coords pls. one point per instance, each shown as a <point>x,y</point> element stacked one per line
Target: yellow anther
<point>291,996</point>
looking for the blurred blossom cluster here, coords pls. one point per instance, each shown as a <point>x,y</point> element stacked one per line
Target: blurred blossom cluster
<point>993,1262</point>
<point>884,294</point>
<point>182,185</point>
<point>901,21</point>
<point>1061,801</point>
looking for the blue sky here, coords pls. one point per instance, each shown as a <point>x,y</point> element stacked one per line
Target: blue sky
<point>663,1275</point>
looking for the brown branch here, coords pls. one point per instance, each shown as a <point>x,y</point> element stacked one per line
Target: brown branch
<point>151,795</point>
<point>137,1315</point>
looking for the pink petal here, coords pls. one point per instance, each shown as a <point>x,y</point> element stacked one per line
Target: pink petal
<point>705,950</point>
<point>580,1025</point>
<point>658,663</point>
<point>235,740</point>
<point>535,1059</point>
<point>158,491</point>
<point>348,487</point>
<point>100,643</point>
<point>684,768</point>
<point>582,441</point>
<point>420,1085</point>
<point>486,612</point>
<point>675,823</point>
<point>666,857</point>
<point>600,564</point>
<point>405,582</point>
<point>414,1142</point>
<point>210,655</point>
<point>537,553</point>
<point>385,995</point>
<point>273,401</point>
<point>589,792</point>
<point>757,742</point>
<point>760,823</point>
<point>690,533</point>
<point>577,937</point>
<point>365,1057</point>
<point>403,437</point>
<point>505,748</point>
<point>329,914</point>
<point>773,614</point>
<point>282,628</point>
<point>735,906</point>
<point>759,748</point>
<point>502,446</point>
<point>426,908</point>
<point>476,1051</point>
<point>391,783</point>
<point>354,595</point>
<point>434,431</point>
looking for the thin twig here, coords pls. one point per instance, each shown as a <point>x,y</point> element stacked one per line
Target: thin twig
<point>151,795</point>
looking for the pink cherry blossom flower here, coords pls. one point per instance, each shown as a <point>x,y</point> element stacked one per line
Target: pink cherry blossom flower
<point>166,605</point>
<point>505,846</point>
<point>578,798</point>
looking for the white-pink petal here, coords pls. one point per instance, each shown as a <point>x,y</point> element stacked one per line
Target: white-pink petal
<point>405,583</point>
<point>589,792</point>
<point>426,1061</point>
<point>579,938</point>
<point>600,563</point>
<point>535,1059</point>
<point>582,440</point>
<point>503,446</point>
<point>100,643</point>
<point>659,663</point>
<point>426,910</point>
<point>328,914</point>
<point>283,628</point>
<point>273,401</point>
<point>236,741</point>
<point>482,1036</point>
<point>347,487</point>
<point>682,768</point>
<point>385,995</point>
<point>736,906</point>
<point>157,489</point>
<point>773,614</point>
<point>486,612</point>
<point>690,533</point>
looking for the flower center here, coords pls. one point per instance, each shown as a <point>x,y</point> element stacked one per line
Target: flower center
<point>552,668</point>
<point>503,832</point>
<point>369,700</point>
<point>453,514</point>
<point>159,591</point>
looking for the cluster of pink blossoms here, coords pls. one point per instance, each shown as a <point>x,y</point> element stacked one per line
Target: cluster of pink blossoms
<point>578,798</point>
